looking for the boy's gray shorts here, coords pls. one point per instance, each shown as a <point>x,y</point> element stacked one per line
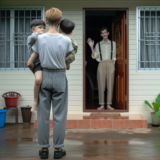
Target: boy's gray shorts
<point>37,67</point>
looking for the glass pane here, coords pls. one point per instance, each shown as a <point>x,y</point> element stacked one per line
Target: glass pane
<point>22,31</point>
<point>39,13</point>
<point>158,24</point>
<point>153,52</point>
<point>27,25</point>
<point>153,65</point>
<point>141,13</point>
<point>8,13</point>
<point>3,13</point>
<point>147,25</point>
<point>142,28</point>
<point>27,13</point>
<point>158,53</point>
<point>152,13</point>
<point>158,64</point>
<point>5,39</point>
<point>147,13</point>
<point>16,13</point>
<point>33,13</point>
<point>21,13</point>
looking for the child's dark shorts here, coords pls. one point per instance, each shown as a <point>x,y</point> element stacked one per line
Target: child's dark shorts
<point>37,67</point>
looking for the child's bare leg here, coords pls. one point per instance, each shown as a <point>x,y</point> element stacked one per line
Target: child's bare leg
<point>67,65</point>
<point>38,80</point>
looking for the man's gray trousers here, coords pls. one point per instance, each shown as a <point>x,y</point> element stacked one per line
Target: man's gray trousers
<point>54,88</point>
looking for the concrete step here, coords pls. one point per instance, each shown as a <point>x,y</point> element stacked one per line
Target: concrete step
<point>116,122</point>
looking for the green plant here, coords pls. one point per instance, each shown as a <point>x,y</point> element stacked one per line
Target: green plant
<point>157,116</point>
<point>155,107</point>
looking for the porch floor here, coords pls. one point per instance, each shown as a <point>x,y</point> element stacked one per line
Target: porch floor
<point>86,121</point>
<point>19,142</point>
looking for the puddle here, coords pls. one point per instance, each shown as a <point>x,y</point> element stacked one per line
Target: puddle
<point>25,139</point>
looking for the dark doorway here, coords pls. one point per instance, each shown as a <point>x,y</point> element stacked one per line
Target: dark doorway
<point>93,21</point>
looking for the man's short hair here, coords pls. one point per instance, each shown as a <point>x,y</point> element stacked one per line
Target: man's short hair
<point>104,28</point>
<point>53,16</point>
<point>67,26</point>
<point>37,22</point>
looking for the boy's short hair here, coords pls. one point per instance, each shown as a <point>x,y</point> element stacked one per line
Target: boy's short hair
<point>67,26</point>
<point>104,28</point>
<point>53,16</point>
<point>37,22</point>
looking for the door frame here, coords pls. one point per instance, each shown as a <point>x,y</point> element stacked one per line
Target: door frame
<point>126,10</point>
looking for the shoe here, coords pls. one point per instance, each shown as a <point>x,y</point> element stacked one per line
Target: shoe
<point>59,154</point>
<point>41,151</point>
<point>43,154</point>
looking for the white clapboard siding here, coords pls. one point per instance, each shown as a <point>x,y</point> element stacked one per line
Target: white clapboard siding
<point>132,37</point>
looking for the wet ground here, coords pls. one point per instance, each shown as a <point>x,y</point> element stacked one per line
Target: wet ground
<point>20,143</point>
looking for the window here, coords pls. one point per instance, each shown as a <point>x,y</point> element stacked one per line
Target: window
<point>148,38</point>
<point>14,30</point>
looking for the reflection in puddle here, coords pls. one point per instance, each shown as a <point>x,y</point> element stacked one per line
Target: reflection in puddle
<point>137,142</point>
<point>73,142</point>
<point>96,142</point>
<point>1,138</point>
<point>12,140</point>
<point>25,139</point>
<point>114,142</point>
<point>91,154</point>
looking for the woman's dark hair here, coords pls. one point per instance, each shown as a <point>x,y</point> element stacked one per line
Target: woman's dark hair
<point>37,22</point>
<point>104,28</point>
<point>67,26</point>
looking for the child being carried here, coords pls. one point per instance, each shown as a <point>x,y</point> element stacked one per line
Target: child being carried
<point>66,28</point>
<point>37,27</point>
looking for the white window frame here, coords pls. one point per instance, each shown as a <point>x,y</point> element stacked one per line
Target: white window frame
<point>12,69</point>
<point>138,8</point>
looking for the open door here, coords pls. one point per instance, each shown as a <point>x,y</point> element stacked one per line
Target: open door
<point>118,35</point>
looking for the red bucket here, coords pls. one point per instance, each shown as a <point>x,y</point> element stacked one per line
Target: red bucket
<point>11,99</point>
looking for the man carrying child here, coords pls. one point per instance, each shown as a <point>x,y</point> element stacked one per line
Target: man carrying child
<point>52,47</point>
<point>38,27</point>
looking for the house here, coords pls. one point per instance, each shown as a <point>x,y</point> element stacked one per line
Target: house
<point>134,25</point>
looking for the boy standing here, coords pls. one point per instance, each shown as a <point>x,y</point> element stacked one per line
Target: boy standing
<point>52,48</point>
<point>38,27</point>
<point>66,28</point>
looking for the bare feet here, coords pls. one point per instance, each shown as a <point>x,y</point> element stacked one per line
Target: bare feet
<point>34,107</point>
<point>100,108</point>
<point>110,108</point>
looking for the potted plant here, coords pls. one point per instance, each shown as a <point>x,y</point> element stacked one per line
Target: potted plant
<point>156,108</point>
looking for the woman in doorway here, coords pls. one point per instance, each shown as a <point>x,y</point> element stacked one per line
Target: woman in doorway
<point>105,54</point>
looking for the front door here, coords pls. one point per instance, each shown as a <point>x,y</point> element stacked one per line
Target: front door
<point>118,35</point>
<point>115,21</point>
